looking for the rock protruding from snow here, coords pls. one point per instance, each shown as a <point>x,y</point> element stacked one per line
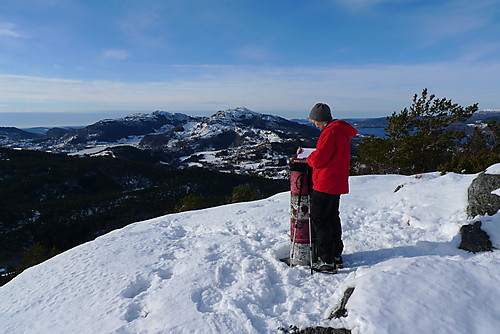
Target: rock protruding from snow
<point>474,239</point>
<point>481,199</point>
<point>342,310</point>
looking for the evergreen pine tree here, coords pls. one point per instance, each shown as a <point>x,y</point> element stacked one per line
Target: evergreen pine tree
<point>419,139</point>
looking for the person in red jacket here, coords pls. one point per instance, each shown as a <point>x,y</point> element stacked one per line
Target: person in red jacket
<point>330,163</point>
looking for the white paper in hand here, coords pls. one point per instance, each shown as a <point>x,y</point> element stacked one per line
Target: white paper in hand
<point>305,153</point>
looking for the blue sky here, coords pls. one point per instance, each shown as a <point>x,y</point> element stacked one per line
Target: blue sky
<point>75,60</point>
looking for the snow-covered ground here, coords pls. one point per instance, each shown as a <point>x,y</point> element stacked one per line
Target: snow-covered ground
<point>99,147</point>
<point>218,271</point>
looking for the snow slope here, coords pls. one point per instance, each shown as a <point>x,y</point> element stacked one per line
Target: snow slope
<point>217,270</point>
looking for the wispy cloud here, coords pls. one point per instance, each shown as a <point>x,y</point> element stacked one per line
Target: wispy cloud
<point>139,26</point>
<point>479,51</point>
<point>453,19</point>
<point>9,30</point>
<point>449,29</point>
<point>367,4</point>
<point>115,54</point>
<point>253,52</point>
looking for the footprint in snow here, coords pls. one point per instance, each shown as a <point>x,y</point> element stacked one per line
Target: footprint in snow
<point>168,256</point>
<point>206,298</point>
<point>136,288</point>
<point>174,232</point>
<point>134,311</point>
<point>163,274</point>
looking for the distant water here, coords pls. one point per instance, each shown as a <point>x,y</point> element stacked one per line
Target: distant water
<point>359,124</point>
<point>54,119</point>
<point>379,132</point>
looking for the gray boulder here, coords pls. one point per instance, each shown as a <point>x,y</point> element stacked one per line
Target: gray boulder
<point>481,200</point>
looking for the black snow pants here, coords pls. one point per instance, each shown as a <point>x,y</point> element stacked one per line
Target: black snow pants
<point>325,216</point>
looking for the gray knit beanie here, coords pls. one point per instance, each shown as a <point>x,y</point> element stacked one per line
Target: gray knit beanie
<point>321,113</point>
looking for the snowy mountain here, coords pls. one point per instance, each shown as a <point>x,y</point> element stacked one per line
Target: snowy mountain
<point>234,140</point>
<point>481,118</point>
<point>218,270</point>
<point>118,130</point>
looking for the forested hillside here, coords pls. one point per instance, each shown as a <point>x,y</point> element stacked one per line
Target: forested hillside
<point>50,203</point>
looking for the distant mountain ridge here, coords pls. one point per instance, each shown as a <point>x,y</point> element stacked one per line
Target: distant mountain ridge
<point>233,140</point>
<point>15,134</point>
<point>113,130</point>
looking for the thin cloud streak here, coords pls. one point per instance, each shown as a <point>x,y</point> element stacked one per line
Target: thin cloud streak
<point>115,54</point>
<point>8,30</point>
<point>461,17</point>
<point>363,5</point>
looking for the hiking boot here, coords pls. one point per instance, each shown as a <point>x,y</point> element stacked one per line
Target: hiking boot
<point>338,262</point>
<point>324,267</point>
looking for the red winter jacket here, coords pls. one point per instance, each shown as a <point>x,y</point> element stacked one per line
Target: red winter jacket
<point>331,159</point>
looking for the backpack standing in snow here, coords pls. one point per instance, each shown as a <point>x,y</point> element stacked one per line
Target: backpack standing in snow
<point>330,162</point>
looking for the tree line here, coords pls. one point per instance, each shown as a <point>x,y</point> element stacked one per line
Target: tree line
<point>425,138</point>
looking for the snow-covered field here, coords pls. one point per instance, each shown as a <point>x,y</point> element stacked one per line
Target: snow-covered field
<point>218,271</point>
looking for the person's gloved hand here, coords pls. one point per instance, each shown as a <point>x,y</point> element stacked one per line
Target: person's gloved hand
<point>299,149</point>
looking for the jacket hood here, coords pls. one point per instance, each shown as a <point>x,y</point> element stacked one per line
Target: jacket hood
<point>347,129</point>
